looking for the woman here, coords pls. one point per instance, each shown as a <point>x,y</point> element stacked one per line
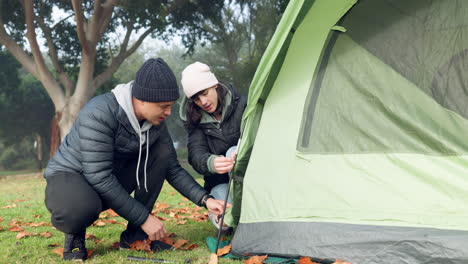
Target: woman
<point>212,112</point>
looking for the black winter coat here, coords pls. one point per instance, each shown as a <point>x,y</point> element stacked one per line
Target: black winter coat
<point>208,139</point>
<point>101,136</point>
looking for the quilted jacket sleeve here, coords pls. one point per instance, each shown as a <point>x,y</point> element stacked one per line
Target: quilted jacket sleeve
<point>96,129</point>
<point>177,176</point>
<point>198,151</point>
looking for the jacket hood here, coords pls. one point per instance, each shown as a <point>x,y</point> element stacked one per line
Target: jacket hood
<point>123,94</point>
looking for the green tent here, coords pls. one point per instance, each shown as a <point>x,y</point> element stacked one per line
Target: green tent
<point>355,137</point>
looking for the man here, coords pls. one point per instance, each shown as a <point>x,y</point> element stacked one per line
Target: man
<point>119,144</point>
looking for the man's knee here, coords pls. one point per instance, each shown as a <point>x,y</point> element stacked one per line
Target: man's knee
<point>72,202</point>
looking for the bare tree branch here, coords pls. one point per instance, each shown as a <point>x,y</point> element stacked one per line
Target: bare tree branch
<point>66,82</point>
<point>17,51</point>
<point>117,61</point>
<point>59,22</point>
<point>80,24</point>
<point>44,75</point>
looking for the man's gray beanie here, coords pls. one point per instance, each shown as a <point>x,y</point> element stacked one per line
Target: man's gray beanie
<point>155,82</point>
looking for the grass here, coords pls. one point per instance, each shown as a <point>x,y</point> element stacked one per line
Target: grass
<point>36,249</point>
<point>16,172</point>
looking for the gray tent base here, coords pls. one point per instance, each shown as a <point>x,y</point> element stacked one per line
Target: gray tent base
<point>362,244</point>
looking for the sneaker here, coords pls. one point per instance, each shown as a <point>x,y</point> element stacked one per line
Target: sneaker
<point>75,247</point>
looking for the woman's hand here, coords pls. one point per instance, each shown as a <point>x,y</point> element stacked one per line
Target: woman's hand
<point>216,206</point>
<point>223,164</point>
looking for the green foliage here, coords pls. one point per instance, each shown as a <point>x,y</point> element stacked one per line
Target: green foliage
<point>240,34</point>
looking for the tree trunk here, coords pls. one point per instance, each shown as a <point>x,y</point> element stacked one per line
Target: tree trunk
<point>54,133</point>
<point>39,152</point>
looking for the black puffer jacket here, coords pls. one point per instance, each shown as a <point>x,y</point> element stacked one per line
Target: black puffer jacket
<point>101,136</point>
<point>212,138</point>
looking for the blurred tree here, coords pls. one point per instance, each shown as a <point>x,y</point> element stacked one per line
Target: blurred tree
<point>83,40</point>
<point>25,111</point>
<point>240,34</point>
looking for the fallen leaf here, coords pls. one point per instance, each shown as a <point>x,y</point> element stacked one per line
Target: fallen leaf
<point>9,206</point>
<point>18,201</point>
<point>179,243</point>
<point>256,259</point>
<point>20,235</point>
<point>213,259</point>
<point>181,222</point>
<point>97,241</point>
<point>39,224</point>
<point>53,245</point>
<point>306,260</point>
<point>37,216</point>
<point>112,213</point>
<point>115,246</point>
<point>14,223</point>
<point>99,223</point>
<point>1,219</point>
<point>172,193</point>
<point>58,251</point>
<point>46,234</point>
<point>141,245</point>
<point>225,250</point>
<point>168,240</point>
<point>90,252</point>
<point>1,228</point>
<point>110,221</point>
<point>189,247</point>
<point>89,236</point>
<point>16,229</point>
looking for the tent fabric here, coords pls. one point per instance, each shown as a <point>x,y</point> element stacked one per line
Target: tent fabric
<point>354,143</point>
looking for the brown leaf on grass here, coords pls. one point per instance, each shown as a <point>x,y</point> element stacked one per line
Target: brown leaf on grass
<point>89,236</point>
<point>168,240</point>
<point>18,201</point>
<point>181,222</point>
<point>213,259</point>
<point>189,247</point>
<point>184,199</point>
<point>112,213</point>
<point>115,246</point>
<point>99,223</point>
<point>90,252</point>
<point>339,261</point>
<point>16,229</point>
<point>36,216</point>
<point>58,251</point>
<point>20,235</point>
<point>110,221</point>
<point>141,245</point>
<point>225,250</point>
<point>1,219</point>
<point>14,223</point>
<point>172,193</point>
<point>1,228</point>
<point>306,260</point>
<point>179,243</point>
<point>9,206</point>
<point>38,224</point>
<point>256,259</point>
<point>46,234</point>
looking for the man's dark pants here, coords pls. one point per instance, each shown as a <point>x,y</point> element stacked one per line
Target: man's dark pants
<point>75,205</point>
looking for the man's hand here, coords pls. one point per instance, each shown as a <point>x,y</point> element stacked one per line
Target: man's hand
<point>154,228</point>
<point>223,164</point>
<point>216,206</point>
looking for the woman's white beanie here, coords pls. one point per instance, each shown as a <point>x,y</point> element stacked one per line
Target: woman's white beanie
<point>197,77</point>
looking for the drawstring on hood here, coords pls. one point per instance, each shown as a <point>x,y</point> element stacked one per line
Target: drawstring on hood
<point>123,94</point>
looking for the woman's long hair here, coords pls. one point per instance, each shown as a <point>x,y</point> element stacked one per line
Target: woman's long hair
<point>194,113</point>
